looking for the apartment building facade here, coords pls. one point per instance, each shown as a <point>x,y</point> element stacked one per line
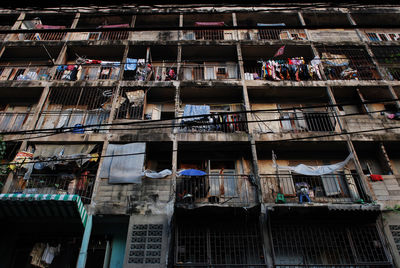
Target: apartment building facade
<point>232,135</point>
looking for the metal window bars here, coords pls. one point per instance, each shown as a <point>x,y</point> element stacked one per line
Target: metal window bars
<point>281,34</point>
<point>230,244</point>
<point>73,184</point>
<point>94,36</point>
<point>74,107</point>
<point>347,63</point>
<point>327,245</point>
<point>342,188</point>
<point>16,119</point>
<point>225,188</point>
<point>29,73</point>
<point>209,71</point>
<point>296,121</point>
<point>388,57</point>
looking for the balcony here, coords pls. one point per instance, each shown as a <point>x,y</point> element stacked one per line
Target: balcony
<point>209,71</point>
<point>347,63</point>
<point>90,72</point>
<point>331,188</point>
<point>146,22</point>
<point>102,22</point>
<point>58,170</point>
<point>25,73</point>
<point>44,22</point>
<point>77,107</point>
<point>226,188</point>
<point>208,21</point>
<point>388,58</point>
<point>294,121</point>
<point>57,184</point>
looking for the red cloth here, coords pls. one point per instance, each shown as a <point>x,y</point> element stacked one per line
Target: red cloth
<point>215,23</point>
<point>41,26</point>
<point>375,177</point>
<point>115,26</point>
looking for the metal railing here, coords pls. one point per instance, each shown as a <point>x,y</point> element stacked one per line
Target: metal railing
<point>282,71</point>
<point>51,36</point>
<point>296,121</point>
<point>84,72</point>
<point>301,243</point>
<point>15,121</point>
<point>71,107</point>
<point>26,73</point>
<point>165,72</point>
<point>209,71</point>
<point>207,35</point>
<point>218,243</point>
<point>81,185</point>
<point>227,123</point>
<point>374,36</point>
<point>330,188</point>
<point>279,34</point>
<point>109,35</point>
<point>348,63</point>
<point>220,189</point>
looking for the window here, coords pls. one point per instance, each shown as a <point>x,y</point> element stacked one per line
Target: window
<point>226,243</point>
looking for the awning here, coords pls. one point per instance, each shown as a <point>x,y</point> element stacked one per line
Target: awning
<point>42,205</point>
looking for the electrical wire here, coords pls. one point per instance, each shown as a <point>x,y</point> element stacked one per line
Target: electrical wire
<point>70,129</point>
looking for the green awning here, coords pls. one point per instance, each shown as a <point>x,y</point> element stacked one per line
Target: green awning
<point>42,205</point>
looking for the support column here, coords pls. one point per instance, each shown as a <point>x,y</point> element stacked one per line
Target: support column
<point>132,25</point>
<point>385,160</point>
<point>16,26</point>
<point>107,255</point>
<point>393,94</point>
<point>303,23</point>
<point>332,100</point>
<point>85,243</point>
<point>73,26</point>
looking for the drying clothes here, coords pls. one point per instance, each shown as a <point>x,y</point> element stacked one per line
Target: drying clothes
<point>295,69</point>
<point>37,253</point>
<point>136,97</point>
<point>375,177</point>
<point>49,253</point>
<point>93,61</point>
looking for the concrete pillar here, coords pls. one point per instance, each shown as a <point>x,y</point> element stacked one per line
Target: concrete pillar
<point>264,226</point>
<point>96,186</point>
<point>385,160</point>
<point>73,26</point>
<point>16,26</point>
<point>303,23</point>
<point>393,94</point>
<point>85,243</point>
<point>332,100</point>
<point>132,25</point>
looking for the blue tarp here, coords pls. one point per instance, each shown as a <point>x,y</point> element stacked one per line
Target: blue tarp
<point>191,110</point>
<point>130,64</point>
<point>191,172</point>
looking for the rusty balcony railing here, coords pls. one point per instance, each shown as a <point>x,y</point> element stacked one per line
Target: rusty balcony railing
<point>153,72</point>
<point>213,34</point>
<point>281,70</point>
<point>93,36</point>
<point>81,185</point>
<point>15,121</point>
<point>293,121</point>
<point>331,188</point>
<point>209,71</point>
<point>227,123</point>
<point>50,36</point>
<point>281,34</point>
<point>86,72</point>
<point>25,73</point>
<point>348,63</point>
<point>226,188</point>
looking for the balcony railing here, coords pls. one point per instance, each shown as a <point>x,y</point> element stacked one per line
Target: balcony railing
<point>331,188</point>
<point>157,72</point>
<point>293,121</point>
<point>348,64</point>
<point>281,71</point>
<point>84,72</point>
<point>226,188</point>
<point>50,36</point>
<point>15,121</point>
<point>208,35</point>
<point>209,71</point>
<point>279,34</point>
<point>227,123</point>
<point>93,36</point>
<point>56,184</point>
<point>375,36</point>
<point>25,73</point>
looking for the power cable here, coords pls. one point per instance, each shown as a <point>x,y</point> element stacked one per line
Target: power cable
<point>70,129</point>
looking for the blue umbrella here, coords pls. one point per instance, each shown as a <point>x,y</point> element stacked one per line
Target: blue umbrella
<point>192,172</point>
